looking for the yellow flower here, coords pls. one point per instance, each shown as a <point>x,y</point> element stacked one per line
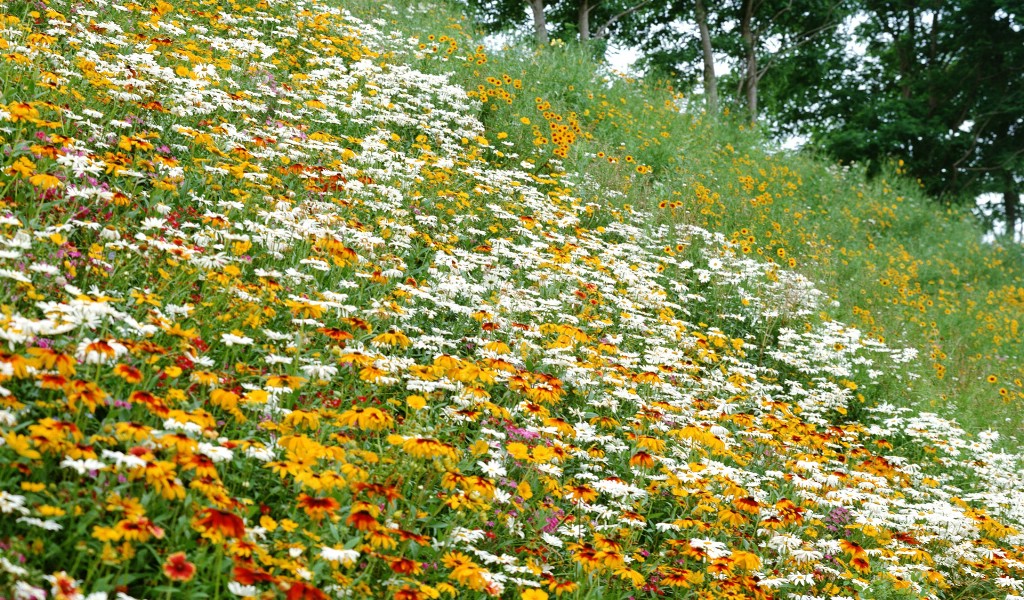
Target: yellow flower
<point>302,418</point>
<point>634,577</point>
<point>416,402</point>
<point>367,419</point>
<point>746,560</point>
<point>518,451</point>
<point>380,538</point>
<point>392,337</point>
<point>21,444</point>
<point>524,490</point>
<point>51,511</point>
<point>464,570</point>
<point>45,181</point>
<point>534,595</point>
<point>23,167</point>
<point>106,534</point>
<point>292,382</point>
<point>22,111</point>
<point>418,447</point>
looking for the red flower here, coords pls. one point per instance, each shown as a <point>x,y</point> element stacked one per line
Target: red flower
<point>177,567</point>
<point>247,575</point>
<point>302,591</point>
<point>405,566</point>
<point>407,593</point>
<point>221,522</point>
<point>362,520</point>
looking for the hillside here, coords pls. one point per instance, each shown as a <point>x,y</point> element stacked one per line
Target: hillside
<point>319,299</point>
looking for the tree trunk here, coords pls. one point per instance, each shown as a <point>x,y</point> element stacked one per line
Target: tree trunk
<point>710,79</point>
<point>583,20</point>
<point>749,84</point>
<point>907,51</point>
<point>540,24</point>
<point>1011,205</point>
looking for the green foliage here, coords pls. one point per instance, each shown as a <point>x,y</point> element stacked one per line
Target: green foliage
<point>939,86</point>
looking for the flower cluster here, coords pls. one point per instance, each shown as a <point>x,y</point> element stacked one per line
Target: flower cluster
<point>276,320</point>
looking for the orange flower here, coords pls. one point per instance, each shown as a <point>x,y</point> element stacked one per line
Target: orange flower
<point>731,517</point>
<point>380,538</point>
<point>138,529</point>
<point>789,512</point>
<point>643,460</point>
<point>221,523</point>
<point>304,591</point>
<point>86,392</point>
<point>861,565</point>
<point>405,566</point>
<point>64,586</point>
<point>318,508</point>
<point>581,492</point>
<point>48,359</point>
<point>721,566</point>
<point>49,381</point>
<point>200,463</point>
<point>854,549</point>
<point>747,504</point>
<point>292,382</point>
<point>407,593</point>
<point>561,587</point>
<point>338,335</point>
<point>677,577</point>
<point>247,575</point>
<point>177,567</point>
<point>128,373</point>
<point>362,520</point>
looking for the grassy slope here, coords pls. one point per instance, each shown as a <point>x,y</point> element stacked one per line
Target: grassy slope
<point>286,309</point>
<point>902,268</point>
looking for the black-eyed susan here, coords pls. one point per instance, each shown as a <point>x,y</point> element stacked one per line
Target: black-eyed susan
<point>178,568</point>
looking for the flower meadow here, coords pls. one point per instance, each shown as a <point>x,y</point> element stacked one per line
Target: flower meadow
<point>282,317</point>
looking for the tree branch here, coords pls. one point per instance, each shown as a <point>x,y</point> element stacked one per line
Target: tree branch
<point>809,37</point>
<point>603,29</point>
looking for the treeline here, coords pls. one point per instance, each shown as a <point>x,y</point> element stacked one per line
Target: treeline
<point>937,84</point>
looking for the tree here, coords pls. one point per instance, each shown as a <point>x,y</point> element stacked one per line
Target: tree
<point>500,16</point>
<point>606,14</point>
<point>708,57</point>
<point>540,24</point>
<point>751,37</point>
<point>940,86</point>
<point>584,20</point>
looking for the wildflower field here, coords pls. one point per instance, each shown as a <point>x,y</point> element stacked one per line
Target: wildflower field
<point>317,299</point>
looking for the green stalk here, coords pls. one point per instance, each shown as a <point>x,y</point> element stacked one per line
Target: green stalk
<point>217,575</point>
